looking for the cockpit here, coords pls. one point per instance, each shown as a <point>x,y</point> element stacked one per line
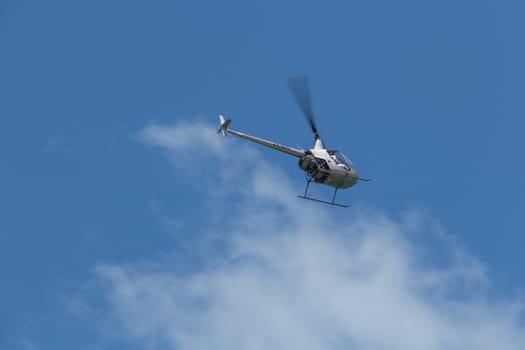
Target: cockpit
<point>340,159</point>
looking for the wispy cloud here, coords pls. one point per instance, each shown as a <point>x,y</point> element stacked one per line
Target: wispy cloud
<point>292,275</point>
<point>184,137</point>
<point>201,156</point>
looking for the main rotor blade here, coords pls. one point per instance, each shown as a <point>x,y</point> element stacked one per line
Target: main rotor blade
<point>301,91</point>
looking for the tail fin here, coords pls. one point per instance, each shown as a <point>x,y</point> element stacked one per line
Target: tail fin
<point>223,127</point>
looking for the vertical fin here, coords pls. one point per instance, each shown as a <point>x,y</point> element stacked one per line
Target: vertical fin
<point>223,127</point>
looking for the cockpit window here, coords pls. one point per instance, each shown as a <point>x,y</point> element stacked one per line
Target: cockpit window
<point>341,159</point>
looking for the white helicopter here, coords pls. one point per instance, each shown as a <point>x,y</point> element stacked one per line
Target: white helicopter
<point>322,165</point>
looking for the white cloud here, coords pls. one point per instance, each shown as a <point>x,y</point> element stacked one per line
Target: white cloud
<point>184,137</point>
<point>201,155</point>
<point>297,275</point>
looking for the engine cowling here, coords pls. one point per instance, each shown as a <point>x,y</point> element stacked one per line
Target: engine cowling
<point>316,168</point>
<point>308,163</point>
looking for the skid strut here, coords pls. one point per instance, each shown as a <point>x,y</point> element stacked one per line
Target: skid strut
<point>305,196</point>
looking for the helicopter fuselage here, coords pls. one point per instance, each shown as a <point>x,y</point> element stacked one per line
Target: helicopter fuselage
<point>321,165</point>
<point>329,167</point>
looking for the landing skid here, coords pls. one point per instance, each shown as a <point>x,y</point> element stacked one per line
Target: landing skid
<point>305,196</point>
<point>325,202</point>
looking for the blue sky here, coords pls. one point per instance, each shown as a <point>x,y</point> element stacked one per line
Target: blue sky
<point>425,97</point>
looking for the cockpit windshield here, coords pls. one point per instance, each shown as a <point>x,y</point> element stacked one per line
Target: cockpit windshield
<point>343,159</point>
<point>340,158</point>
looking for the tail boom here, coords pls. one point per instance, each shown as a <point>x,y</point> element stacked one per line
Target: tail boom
<point>223,128</point>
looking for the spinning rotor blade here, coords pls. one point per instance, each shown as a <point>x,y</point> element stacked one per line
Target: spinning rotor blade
<point>301,91</point>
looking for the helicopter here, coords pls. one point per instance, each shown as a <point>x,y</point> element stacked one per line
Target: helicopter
<point>320,164</point>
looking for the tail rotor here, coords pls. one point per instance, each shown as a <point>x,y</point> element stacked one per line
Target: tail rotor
<point>223,127</point>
